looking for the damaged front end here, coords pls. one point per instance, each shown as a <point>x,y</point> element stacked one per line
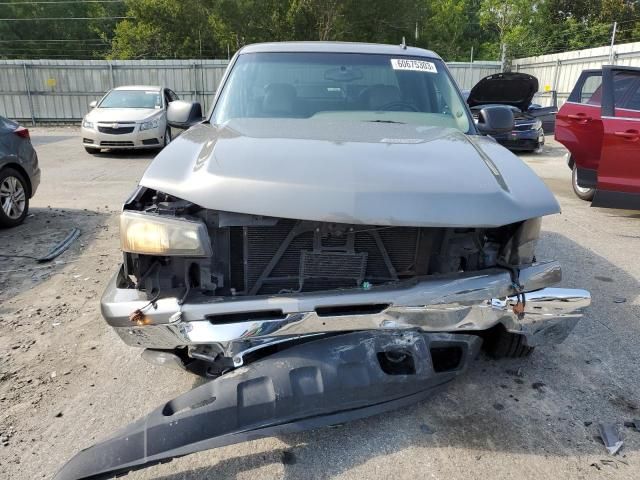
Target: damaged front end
<point>319,383</point>
<point>213,289</point>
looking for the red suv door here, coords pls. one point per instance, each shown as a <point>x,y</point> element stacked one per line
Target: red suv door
<point>619,168</point>
<point>579,126</point>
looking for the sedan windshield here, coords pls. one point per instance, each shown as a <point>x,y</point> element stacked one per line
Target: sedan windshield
<point>132,99</point>
<point>342,86</point>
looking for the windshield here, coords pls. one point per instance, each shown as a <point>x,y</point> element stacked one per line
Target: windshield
<point>335,86</point>
<point>132,99</point>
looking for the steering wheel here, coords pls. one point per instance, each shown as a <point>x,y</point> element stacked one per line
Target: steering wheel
<point>404,106</point>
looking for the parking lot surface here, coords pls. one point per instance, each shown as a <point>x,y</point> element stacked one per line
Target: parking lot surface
<point>67,381</point>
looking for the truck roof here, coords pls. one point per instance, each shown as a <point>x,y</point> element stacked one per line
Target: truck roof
<point>338,47</point>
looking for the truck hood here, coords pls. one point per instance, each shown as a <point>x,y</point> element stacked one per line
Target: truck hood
<point>509,88</point>
<point>350,172</point>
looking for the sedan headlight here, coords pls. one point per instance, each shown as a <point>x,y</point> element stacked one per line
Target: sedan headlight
<point>150,124</point>
<point>157,235</point>
<point>537,125</point>
<point>86,123</point>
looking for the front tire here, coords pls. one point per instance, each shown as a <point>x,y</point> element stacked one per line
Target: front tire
<point>582,193</point>
<point>14,198</point>
<point>502,344</point>
<point>167,137</point>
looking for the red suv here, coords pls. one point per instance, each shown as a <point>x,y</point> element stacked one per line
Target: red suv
<point>600,126</point>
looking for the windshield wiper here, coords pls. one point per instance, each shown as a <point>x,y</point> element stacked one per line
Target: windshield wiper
<point>384,121</point>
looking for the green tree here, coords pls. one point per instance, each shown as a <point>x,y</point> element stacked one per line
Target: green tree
<point>165,29</point>
<point>34,35</point>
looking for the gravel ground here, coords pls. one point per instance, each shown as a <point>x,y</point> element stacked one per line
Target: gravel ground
<point>66,380</point>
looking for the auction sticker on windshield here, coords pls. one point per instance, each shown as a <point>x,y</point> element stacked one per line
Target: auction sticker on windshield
<point>414,65</point>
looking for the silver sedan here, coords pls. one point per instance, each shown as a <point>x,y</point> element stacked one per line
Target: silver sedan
<point>128,117</point>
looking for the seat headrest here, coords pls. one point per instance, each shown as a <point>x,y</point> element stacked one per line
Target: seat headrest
<point>279,98</point>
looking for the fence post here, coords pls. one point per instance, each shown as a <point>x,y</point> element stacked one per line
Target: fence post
<point>556,74</point>
<point>26,82</point>
<point>111,79</point>
<point>471,69</point>
<point>195,82</point>
<point>613,41</point>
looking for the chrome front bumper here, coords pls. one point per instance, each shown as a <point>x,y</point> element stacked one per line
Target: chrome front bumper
<point>457,304</point>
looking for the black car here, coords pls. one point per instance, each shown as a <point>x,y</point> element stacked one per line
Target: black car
<point>517,91</point>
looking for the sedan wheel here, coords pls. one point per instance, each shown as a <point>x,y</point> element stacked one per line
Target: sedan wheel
<point>581,192</point>
<point>14,202</point>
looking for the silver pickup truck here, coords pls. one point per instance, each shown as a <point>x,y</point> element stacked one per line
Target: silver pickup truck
<point>337,237</point>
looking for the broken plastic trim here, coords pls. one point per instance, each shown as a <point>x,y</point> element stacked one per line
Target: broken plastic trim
<point>323,382</point>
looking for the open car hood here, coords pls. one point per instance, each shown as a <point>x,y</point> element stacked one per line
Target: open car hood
<point>350,172</point>
<point>509,88</point>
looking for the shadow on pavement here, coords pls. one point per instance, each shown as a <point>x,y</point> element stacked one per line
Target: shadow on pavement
<point>42,230</point>
<point>131,154</point>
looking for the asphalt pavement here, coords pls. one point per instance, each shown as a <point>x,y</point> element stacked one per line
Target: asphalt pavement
<point>66,380</point>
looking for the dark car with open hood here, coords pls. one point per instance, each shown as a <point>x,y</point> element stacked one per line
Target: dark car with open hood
<point>337,238</point>
<point>516,91</point>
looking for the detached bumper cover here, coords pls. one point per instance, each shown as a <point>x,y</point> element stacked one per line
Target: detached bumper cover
<point>459,303</point>
<point>310,385</point>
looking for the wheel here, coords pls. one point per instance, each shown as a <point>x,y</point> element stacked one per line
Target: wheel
<point>91,150</point>
<point>581,192</point>
<point>503,344</point>
<point>14,198</point>
<point>167,137</point>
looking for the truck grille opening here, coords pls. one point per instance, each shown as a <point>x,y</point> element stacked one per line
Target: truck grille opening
<point>344,310</point>
<point>292,256</point>
<point>246,316</point>
<point>445,359</point>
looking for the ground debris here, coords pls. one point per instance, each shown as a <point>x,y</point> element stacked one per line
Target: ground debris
<point>424,428</point>
<point>610,437</point>
<point>635,423</point>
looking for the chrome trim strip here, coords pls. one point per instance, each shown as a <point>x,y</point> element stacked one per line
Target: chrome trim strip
<point>457,303</point>
<point>549,315</point>
<point>633,119</point>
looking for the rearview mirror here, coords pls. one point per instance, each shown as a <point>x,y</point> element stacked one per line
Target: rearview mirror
<point>183,114</point>
<point>93,104</point>
<point>495,119</point>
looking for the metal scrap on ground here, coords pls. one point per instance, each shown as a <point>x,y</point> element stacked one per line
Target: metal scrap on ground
<point>610,437</point>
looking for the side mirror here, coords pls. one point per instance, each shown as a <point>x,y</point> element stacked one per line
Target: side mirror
<point>93,104</point>
<point>495,119</point>
<point>183,114</point>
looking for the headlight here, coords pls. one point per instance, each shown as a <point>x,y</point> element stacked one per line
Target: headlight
<point>150,124</point>
<point>537,125</point>
<point>156,235</point>
<point>86,123</point>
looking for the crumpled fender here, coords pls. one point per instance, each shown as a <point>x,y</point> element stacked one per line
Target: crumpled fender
<point>314,384</point>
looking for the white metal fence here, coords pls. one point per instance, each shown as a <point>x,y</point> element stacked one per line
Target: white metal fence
<point>61,90</point>
<point>560,71</point>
